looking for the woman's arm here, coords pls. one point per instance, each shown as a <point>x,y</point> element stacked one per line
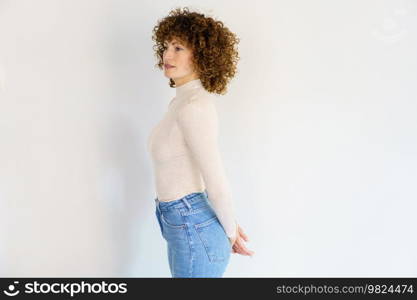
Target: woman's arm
<point>198,121</point>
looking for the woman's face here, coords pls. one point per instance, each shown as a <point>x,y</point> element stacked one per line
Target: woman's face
<point>177,55</point>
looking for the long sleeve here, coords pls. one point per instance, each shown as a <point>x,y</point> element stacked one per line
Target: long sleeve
<point>198,122</point>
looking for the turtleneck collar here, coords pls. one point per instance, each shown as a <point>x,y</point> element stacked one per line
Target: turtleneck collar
<point>187,87</point>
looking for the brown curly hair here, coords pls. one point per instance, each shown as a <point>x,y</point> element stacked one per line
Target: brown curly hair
<point>212,44</point>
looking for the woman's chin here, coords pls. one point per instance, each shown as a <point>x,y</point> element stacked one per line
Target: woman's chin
<point>168,74</point>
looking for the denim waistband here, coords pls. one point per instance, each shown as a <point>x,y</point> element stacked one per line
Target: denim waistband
<point>186,201</point>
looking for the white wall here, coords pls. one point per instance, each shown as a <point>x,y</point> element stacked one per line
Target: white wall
<point>318,134</point>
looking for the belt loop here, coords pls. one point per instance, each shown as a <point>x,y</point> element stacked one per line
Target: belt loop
<point>186,202</point>
<point>157,204</point>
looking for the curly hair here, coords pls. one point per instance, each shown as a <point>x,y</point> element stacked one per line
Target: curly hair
<point>213,46</point>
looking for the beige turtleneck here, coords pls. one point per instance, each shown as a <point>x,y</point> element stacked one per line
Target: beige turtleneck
<point>185,152</point>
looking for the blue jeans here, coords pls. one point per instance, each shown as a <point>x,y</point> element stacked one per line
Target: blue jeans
<point>197,244</point>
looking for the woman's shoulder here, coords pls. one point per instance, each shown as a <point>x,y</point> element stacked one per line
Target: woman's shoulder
<point>199,103</point>
<point>200,98</point>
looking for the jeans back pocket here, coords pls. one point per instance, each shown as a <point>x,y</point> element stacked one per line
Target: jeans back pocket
<point>214,239</point>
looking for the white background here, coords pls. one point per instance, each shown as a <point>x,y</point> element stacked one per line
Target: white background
<point>318,137</point>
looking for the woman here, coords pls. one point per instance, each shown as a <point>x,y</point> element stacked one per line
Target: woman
<point>194,207</point>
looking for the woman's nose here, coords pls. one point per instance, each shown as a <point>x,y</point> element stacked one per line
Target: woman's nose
<point>168,53</point>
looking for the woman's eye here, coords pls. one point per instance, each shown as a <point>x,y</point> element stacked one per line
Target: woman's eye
<point>176,48</point>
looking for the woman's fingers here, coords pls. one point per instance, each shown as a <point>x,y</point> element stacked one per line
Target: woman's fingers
<point>242,248</point>
<point>238,246</point>
<point>237,249</point>
<point>243,235</point>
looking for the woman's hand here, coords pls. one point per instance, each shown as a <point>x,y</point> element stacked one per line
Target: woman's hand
<point>238,245</point>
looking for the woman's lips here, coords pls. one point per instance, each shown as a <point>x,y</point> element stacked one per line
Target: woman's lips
<point>169,67</point>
